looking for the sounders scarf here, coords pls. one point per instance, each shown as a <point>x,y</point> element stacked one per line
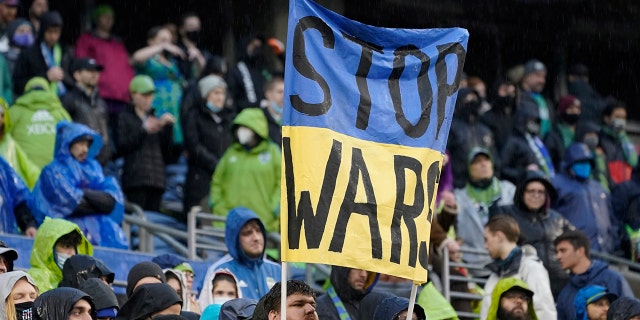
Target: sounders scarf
<point>545,121</point>
<point>342,311</point>
<point>542,154</point>
<point>53,58</point>
<point>628,148</point>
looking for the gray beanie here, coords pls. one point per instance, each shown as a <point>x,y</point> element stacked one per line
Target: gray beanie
<point>209,83</point>
<point>534,65</point>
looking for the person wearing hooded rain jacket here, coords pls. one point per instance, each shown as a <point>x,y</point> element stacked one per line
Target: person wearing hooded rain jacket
<point>10,307</point>
<point>508,284</point>
<point>34,116</point>
<point>596,295</point>
<point>105,299</point>
<point>44,261</point>
<point>148,300</point>
<point>584,202</point>
<point>60,303</point>
<point>539,224</point>
<point>73,187</point>
<point>342,299</point>
<point>255,274</point>
<point>11,151</point>
<point>80,268</point>
<point>248,174</point>
<point>524,149</point>
<point>390,308</point>
<point>624,308</point>
<point>15,215</point>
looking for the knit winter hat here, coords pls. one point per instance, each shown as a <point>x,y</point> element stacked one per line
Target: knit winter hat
<point>565,103</point>
<point>142,270</point>
<point>208,83</point>
<point>532,66</point>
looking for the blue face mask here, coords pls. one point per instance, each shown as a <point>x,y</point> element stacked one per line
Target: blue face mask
<point>276,108</point>
<point>23,40</point>
<point>582,170</point>
<point>213,108</point>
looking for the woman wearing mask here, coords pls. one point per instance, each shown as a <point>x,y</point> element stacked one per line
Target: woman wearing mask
<point>207,134</point>
<point>21,36</point>
<point>225,288</point>
<point>539,224</point>
<point>18,291</point>
<point>621,152</point>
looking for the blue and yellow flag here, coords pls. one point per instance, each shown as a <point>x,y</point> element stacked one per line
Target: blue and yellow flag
<point>366,119</point>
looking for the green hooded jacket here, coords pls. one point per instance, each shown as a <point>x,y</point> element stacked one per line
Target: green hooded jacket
<point>11,151</point>
<point>249,177</point>
<point>503,286</point>
<point>44,269</point>
<point>33,121</point>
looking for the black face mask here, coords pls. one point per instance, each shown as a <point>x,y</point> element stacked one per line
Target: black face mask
<point>504,102</point>
<point>194,36</point>
<point>24,311</point>
<point>570,118</point>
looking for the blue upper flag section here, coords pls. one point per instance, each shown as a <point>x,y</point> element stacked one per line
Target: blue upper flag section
<point>395,86</point>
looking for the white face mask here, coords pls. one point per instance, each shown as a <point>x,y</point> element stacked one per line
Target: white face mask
<point>221,300</point>
<point>61,259</point>
<point>245,135</point>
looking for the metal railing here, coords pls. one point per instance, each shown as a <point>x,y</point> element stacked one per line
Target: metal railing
<point>447,278</point>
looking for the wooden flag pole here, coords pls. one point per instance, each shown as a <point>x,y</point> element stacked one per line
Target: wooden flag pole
<point>412,300</point>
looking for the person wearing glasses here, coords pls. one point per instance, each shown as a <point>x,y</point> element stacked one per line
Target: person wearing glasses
<point>510,260</point>
<point>539,224</point>
<point>512,299</point>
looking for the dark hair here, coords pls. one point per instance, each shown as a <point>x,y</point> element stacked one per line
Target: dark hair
<point>153,32</point>
<point>223,277</point>
<point>577,239</point>
<point>611,104</point>
<point>185,16</point>
<point>272,83</point>
<point>505,224</point>
<point>272,298</point>
<point>71,239</point>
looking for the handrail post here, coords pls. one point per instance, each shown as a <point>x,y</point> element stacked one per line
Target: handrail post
<point>191,231</point>
<point>446,286</point>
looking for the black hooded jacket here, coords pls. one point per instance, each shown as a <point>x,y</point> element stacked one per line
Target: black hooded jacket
<point>148,299</point>
<point>31,62</point>
<point>466,133</point>
<point>539,228</point>
<point>103,295</point>
<point>56,304</point>
<point>623,308</point>
<point>350,297</point>
<point>79,268</point>
<point>516,154</point>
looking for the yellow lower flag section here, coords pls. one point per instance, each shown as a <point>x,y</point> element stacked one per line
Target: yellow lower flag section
<point>357,203</point>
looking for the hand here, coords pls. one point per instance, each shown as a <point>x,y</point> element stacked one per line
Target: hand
<point>55,74</point>
<point>153,124</point>
<point>30,232</point>
<point>167,118</point>
<point>533,167</point>
<point>195,307</point>
<point>448,198</point>
<point>173,49</point>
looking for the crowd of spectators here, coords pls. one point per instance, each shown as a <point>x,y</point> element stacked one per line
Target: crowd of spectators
<point>533,175</point>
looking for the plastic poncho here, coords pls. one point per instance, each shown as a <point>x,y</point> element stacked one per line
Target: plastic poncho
<point>58,303</point>
<point>7,281</point>
<point>13,191</point>
<point>13,153</point>
<point>250,178</point>
<point>503,286</point>
<point>255,276</point>
<point>60,189</point>
<point>33,121</point>
<point>44,269</point>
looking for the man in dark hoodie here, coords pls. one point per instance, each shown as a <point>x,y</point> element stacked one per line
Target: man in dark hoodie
<point>64,304</point>
<point>624,309</point>
<point>47,58</point>
<point>151,300</point>
<point>348,288</point>
<point>572,249</point>
<point>80,268</point>
<point>105,299</point>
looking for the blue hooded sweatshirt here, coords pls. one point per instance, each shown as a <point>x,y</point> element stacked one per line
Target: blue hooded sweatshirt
<point>587,295</point>
<point>61,186</point>
<point>390,307</point>
<point>255,275</point>
<point>597,274</point>
<point>13,191</point>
